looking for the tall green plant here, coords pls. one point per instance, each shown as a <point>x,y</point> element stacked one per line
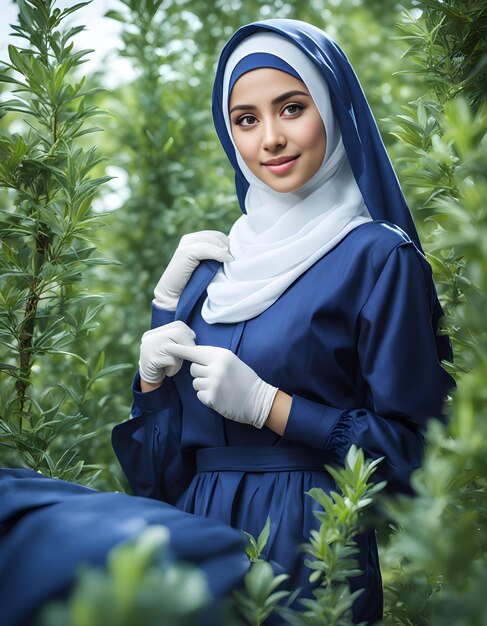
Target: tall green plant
<point>163,139</point>
<point>447,47</point>
<point>439,554</point>
<point>448,53</point>
<point>332,547</point>
<point>437,559</point>
<point>47,234</point>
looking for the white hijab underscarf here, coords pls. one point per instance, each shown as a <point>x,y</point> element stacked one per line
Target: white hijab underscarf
<point>283,234</point>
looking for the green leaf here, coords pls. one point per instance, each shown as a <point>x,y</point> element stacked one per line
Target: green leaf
<point>115,15</point>
<point>75,7</point>
<point>264,536</point>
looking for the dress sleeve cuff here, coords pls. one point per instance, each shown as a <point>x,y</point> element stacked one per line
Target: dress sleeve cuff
<point>311,423</point>
<point>148,401</point>
<point>160,317</point>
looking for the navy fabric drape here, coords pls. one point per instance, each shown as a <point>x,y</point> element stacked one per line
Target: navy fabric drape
<point>48,527</point>
<point>351,340</point>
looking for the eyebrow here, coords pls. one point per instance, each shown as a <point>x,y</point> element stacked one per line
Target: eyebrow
<point>281,98</point>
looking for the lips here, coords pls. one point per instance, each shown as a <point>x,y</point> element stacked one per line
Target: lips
<point>281,165</point>
<point>281,160</point>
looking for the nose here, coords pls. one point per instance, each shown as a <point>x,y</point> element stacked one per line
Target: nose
<point>273,136</point>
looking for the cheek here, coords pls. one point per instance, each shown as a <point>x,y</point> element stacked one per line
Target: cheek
<point>245,144</point>
<point>312,136</point>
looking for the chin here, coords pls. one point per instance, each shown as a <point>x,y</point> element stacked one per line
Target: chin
<point>286,187</point>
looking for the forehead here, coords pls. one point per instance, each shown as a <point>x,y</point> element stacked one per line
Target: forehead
<point>263,83</point>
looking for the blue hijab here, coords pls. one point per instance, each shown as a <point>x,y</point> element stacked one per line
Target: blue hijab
<point>368,158</point>
<point>365,149</point>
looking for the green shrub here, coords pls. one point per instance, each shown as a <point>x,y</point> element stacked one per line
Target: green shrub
<point>47,230</point>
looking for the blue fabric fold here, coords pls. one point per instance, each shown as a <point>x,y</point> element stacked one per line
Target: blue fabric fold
<point>48,527</point>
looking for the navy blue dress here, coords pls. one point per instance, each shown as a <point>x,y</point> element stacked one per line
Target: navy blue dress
<point>352,341</point>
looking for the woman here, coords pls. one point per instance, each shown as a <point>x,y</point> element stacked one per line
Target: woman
<point>310,327</point>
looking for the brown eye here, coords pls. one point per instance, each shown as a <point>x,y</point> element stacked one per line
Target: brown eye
<point>294,108</point>
<point>245,120</point>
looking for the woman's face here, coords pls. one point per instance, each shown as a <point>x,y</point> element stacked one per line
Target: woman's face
<point>277,128</point>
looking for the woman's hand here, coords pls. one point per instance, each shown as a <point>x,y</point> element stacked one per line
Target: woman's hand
<point>155,362</point>
<point>226,384</point>
<point>194,247</point>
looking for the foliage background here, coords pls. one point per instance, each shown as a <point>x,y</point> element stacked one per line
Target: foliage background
<point>423,68</point>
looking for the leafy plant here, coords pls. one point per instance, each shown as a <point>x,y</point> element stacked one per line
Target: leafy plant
<point>439,550</point>
<point>255,547</point>
<point>259,597</point>
<point>332,549</point>
<point>141,585</point>
<point>332,546</point>
<point>447,47</point>
<point>436,559</point>
<point>47,232</point>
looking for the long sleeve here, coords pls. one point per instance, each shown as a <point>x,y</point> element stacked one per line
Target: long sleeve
<point>406,384</point>
<point>148,445</point>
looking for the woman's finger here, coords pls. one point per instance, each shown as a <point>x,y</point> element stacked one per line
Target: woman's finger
<point>196,354</point>
<point>211,236</point>
<point>177,331</point>
<point>173,368</point>
<point>201,384</point>
<point>202,250</point>
<point>206,397</point>
<point>196,370</point>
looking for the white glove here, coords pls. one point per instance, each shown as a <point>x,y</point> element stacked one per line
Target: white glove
<point>155,362</point>
<point>226,384</point>
<point>204,244</point>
